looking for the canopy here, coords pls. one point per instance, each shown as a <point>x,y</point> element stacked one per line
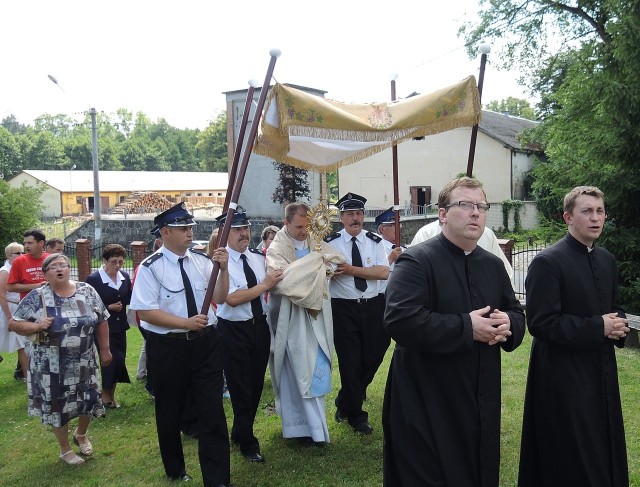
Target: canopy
<point>314,133</point>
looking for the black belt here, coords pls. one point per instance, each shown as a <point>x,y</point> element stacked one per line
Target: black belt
<point>254,320</point>
<point>190,335</point>
<point>356,301</point>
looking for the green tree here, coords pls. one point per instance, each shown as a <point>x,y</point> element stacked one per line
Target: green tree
<point>212,145</point>
<point>12,125</point>
<point>292,184</point>
<point>20,208</point>
<point>590,87</point>
<point>531,34</point>
<point>10,160</point>
<point>42,150</point>
<point>513,106</point>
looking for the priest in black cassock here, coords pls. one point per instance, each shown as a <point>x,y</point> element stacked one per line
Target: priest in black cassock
<point>573,432</point>
<point>451,309</point>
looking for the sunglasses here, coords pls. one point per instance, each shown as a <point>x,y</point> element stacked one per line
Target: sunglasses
<point>17,253</point>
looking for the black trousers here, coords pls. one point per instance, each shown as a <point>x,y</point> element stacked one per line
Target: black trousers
<point>190,368</point>
<point>361,343</point>
<point>245,355</point>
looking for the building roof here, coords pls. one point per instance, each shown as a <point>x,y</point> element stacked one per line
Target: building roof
<point>506,129</point>
<point>121,181</point>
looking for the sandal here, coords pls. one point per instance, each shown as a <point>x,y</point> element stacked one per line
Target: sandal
<point>111,405</point>
<point>70,458</point>
<point>86,448</point>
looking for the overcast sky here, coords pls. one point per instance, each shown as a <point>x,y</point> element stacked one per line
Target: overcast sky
<point>174,59</point>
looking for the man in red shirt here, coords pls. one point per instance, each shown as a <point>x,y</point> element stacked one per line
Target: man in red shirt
<point>26,271</point>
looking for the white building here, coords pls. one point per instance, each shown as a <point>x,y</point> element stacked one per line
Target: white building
<point>425,165</point>
<point>71,192</point>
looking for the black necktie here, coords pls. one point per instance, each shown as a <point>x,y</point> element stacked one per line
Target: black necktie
<point>192,309</point>
<point>356,260</point>
<point>256,304</point>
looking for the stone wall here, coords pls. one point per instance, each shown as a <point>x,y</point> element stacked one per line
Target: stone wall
<point>124,231</point>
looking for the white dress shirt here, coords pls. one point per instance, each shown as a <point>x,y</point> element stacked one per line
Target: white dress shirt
<point>372,254</point>
<point>159,286</point>
<point>238,281</point>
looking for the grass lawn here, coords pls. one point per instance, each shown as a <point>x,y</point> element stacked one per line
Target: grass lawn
<point>127,452</point>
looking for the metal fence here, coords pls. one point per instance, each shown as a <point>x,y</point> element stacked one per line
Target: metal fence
<point>521,256</point>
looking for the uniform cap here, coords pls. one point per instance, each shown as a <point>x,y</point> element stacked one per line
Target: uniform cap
<point>176,216</point>
<point>351,201</point>
<point>240,219</point>
<point>387,217</point>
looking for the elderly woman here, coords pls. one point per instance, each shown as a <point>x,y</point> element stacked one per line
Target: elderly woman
<point>62,316</point>
<point>10,341</point>
<point>267,237</point>
<point>114,288</point>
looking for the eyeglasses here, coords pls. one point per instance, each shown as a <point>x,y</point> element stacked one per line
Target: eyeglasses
<point>58,267</point>
<point>469,206</point>
<point>116,262</point>
<point>17,253</point>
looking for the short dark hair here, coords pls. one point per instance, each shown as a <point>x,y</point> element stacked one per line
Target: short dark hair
<point>36,233</point>
<point>52,242</point>
<point>113,250</point>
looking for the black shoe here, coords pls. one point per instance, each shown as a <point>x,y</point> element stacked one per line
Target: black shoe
<point>364,428</point>
<point>340,416</point>
<point>255,457</point>
<point>181,478</point>
<point>307,441</point>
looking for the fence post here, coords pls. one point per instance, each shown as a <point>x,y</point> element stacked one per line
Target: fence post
<point>138,253</point>
<point>507,248</point>
<point>83,256</point>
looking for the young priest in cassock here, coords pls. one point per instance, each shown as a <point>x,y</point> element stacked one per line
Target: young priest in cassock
<point>451,309</point>
<point>573,430</point>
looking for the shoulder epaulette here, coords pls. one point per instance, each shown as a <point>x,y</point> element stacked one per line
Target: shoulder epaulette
<point>256,251</point>
<point>374,237</point>
<point>200,252</point>
<point>151,259</point>
<point>331,237</point>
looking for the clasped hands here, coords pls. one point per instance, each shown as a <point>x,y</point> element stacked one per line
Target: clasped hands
<point>495,328</point>
<point>615,327</point>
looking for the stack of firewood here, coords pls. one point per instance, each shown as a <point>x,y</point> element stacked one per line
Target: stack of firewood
<point>143,200</point>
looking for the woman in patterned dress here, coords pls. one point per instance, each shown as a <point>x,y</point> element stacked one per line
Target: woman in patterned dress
<point>63,316</point>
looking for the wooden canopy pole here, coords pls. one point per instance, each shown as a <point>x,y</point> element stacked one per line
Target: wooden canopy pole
<point>238,149</point>
<point>484,49</point>
<point>242,170</point>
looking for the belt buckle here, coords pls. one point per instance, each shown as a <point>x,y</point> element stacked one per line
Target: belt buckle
<point>188,335</point>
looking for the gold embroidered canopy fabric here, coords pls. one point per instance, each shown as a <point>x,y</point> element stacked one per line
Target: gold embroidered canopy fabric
<point>314,133</point>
